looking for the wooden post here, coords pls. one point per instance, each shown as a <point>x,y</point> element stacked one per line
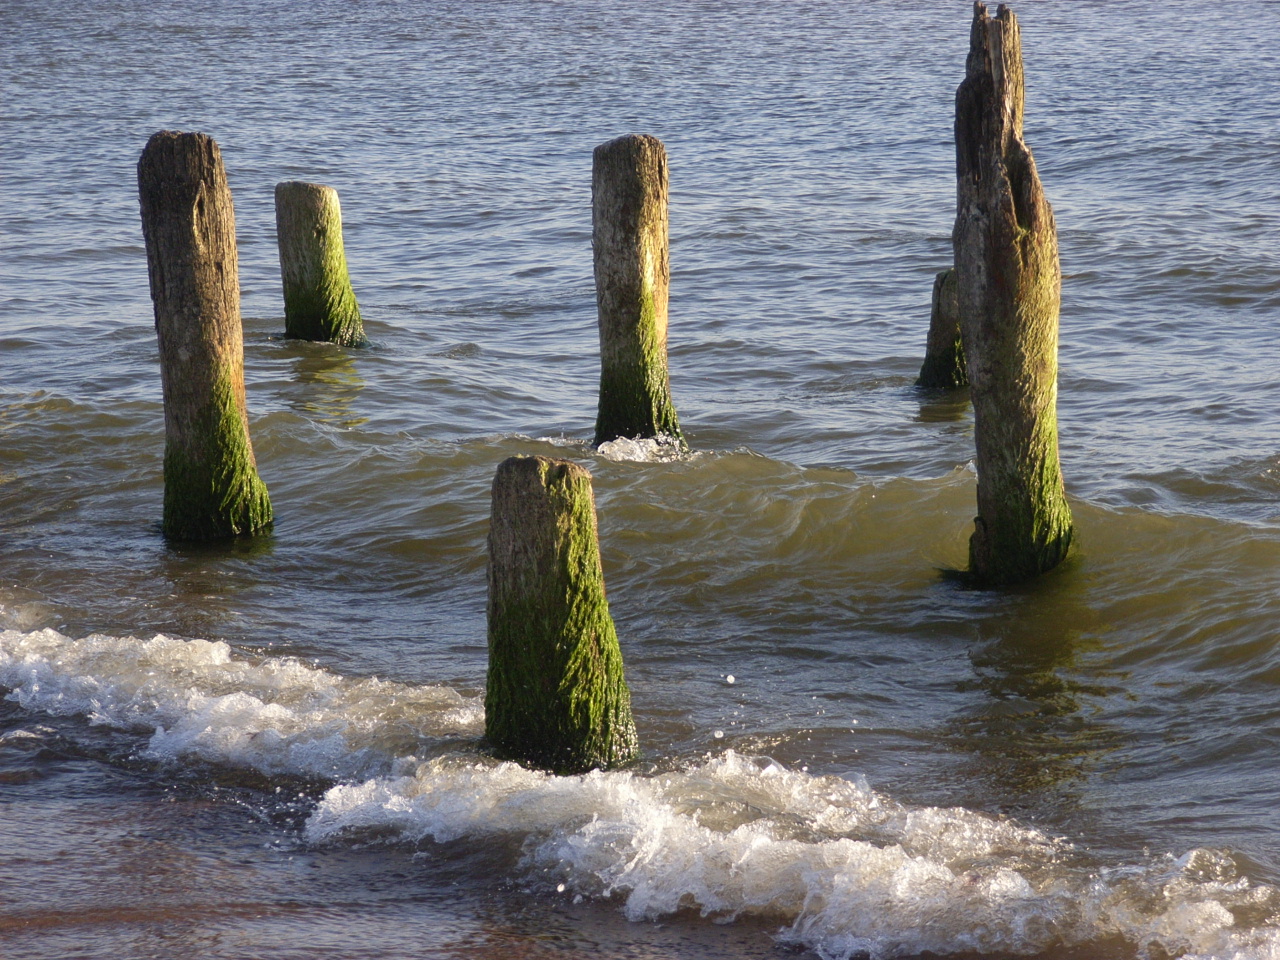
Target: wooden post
<point>556,696</point>
<point>211,485</point>
<point>1009,287</point>
<point>632,269</point>
<point>319,303</point>
<point>943,367</point>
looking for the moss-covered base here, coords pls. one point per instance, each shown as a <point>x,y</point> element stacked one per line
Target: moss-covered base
<point>944,370</point>
<point>1024,526</point>
<point>635,404</point>
<point>319,303</point>
<point>212,490</point>
<point>556,697</point>
<point>324,316</point>
<point>635,387</point>
<point>1024,552</point>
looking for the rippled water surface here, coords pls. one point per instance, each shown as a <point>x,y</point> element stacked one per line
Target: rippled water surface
<point>272,748</point>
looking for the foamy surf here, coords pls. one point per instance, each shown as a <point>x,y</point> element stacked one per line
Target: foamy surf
<point>841,868</point>
<point>277,715</point>
<point>660,449</point>
<point>844,870</point>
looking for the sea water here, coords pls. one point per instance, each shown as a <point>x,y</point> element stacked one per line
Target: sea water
<point>272,748</point>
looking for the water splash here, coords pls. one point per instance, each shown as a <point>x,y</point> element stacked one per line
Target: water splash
<point>661,449</point>
<point>845,870</point>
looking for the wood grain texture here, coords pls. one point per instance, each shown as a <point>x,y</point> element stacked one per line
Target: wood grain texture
<point>212,487</point>
<point>1008,294</point>
<point>629,238</point>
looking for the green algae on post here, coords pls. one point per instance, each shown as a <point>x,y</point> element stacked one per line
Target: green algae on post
<point>319,303</point>
<point>556,698</point>
<point>1009,291</point>
<point>211,485</point>
<point>943,367</point>
<point>629,236</point>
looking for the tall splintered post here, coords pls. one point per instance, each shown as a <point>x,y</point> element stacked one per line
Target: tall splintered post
<point>1009,287</point>
<point>633,272</point>
<point>943,367</point>
<point>556,697</point>
<point>319,303</point>
<point>211,485</point>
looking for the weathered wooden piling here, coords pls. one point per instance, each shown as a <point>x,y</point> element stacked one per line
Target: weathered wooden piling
<point>211,485</point>
<point>1008,291</point>
<point>319,303</point>
<point>943,367</point>
<point>556,696</point>
<point>633,273</point>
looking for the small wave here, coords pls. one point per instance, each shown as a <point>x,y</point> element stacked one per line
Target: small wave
<point>846,871</point>
<point>843,869</point>
<point>278,715</point>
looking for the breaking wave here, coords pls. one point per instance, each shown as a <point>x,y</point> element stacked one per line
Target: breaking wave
<point>841,868</point>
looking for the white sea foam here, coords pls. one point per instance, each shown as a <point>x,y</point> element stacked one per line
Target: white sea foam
<point>275,715</point>
<point>844,870</point>
<point>642,449</point>
<point>840,867</point>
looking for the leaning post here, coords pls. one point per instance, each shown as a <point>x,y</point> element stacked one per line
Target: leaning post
<point>943,367</point>
<point>1009,289</point>
<point>556,697</point>
<point>319,303</point>
<point>632,272</point>
<point>211,485</point>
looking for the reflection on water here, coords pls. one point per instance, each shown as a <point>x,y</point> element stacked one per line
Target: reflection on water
<point>329,385</point>
<point>207,584</point>
<point>1036,732</point>
<point>943,406</point>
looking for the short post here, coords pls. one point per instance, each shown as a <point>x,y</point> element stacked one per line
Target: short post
<point>1009,289</point>
<point>319,303</point>
<point>633,273</point>
<point>556,696</point>
<point>211,485</point>
<point>943,367</point>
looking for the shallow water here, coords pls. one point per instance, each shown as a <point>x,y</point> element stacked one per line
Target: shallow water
<point>271,748</point>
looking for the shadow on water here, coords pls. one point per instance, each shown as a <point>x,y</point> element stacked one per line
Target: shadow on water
<point>198,554</point>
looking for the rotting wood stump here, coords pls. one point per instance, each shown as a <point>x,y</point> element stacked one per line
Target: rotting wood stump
<point>556,697</point>
<point>944,366</point>
<point>1008,294</point>
<point>319,303</point>
<point>629,237</point>
<point>211,485</point>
